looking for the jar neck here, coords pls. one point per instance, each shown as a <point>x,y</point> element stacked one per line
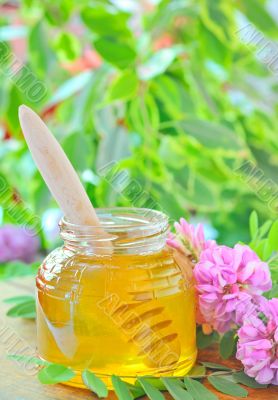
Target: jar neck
<point>122,231</point>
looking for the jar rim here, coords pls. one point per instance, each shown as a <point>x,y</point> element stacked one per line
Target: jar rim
<point>131,218</point>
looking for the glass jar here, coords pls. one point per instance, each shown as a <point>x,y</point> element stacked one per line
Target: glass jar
<point>117,302</point>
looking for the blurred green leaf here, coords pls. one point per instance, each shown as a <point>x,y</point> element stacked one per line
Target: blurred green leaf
<point>12,32</point>
<point>24,309</point>
<point>211,134</point>
<point>79,149</point>
<point>106,21</point>
<point>253,224</point>
<point>67,46</point>
<point>159,62</point>
<point>115,52</point>
<point>38,48</point>
<point>70,87</point>
<point>124,87</point>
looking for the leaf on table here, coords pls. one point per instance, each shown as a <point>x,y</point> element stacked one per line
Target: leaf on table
<point>18,299</point>
<point>197,390</point>
<point>136,389</point>
<point>16,269</point>
<point>121,389</point>
<point>198,371</point>
<point>241,377</point>
<point>94,383</point>
<point>25,309</point>
<point>176,390</point>
<point>151,391</point>
<point>215,366</point>
<point>227,344</point>
<point>226,386</point>
<point>156,382</point>
<point>204,341</point>
<point>28,359</point>
<point>55,373</point>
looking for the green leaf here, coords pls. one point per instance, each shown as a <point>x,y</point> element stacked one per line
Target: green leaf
<point>152,392</point>
<point>28,359</point>
<point>136,390</point>
<point>174,96</point>
<point>79,149</point>
<point>115,52</point>
<point>254,224</point>
<point>39,50</point>
<point>273,237</point>
<point>124,87</point>
<point>204,341</point>
<point>12,32</point>
<point>197,390</point>
<point>175,389</point>
<point>211,134</point>
<point>241,377</point>
<point>26,309</point>
<point>227,344</point>
<point>225,386</point>
<point>18,299</point>
<point>215,366</point>
<point>106,21</point>
<point>70,87</point>
<point>55,373</point>
<point>255,11</point>
<point>16,269</point>
<point>273,292</point>
<point>94,383</point>
<point>156,382</point>
<point>121,389</point>
<point>197,371</point>
<point>159,62</point>
<point>67,46</point>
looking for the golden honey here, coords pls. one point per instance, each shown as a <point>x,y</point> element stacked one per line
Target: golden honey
<point>129,311</point>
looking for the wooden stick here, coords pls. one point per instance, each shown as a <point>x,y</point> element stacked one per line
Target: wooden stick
<point>57,171</point>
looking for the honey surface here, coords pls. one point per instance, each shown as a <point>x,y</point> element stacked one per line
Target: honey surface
<point>123,314</point>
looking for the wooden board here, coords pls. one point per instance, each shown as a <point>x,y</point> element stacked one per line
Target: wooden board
<point>18,382</point>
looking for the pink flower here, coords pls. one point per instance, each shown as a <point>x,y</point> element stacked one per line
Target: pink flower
<point>228,279</point>
<point>189,239</point>
<point>257,346</point>
<point>17,243</point>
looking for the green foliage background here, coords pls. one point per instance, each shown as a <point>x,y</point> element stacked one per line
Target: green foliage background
<point>176,99</point>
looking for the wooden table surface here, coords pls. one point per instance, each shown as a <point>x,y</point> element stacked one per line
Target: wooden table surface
<point>20,383</point>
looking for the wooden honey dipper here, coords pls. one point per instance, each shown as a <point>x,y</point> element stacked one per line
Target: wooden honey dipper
<point>57,171</point>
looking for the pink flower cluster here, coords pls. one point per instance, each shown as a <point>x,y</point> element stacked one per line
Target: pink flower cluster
<point>189,239</point>
<point>228,281</point>
<point>257,346</point>
<point>17,243</point>
<point>229,285</point>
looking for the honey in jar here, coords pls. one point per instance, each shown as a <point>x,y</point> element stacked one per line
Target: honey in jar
<point>126,309</point>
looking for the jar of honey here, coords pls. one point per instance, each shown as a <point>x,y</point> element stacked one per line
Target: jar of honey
<point>118,302</point>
